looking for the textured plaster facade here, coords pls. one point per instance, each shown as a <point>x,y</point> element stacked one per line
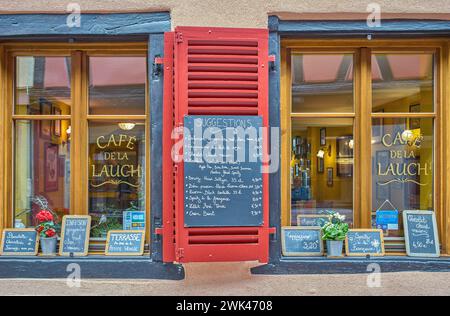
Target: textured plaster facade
<point>241,13</point>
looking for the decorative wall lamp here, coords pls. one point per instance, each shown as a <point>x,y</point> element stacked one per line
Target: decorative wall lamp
<point>323,150</point>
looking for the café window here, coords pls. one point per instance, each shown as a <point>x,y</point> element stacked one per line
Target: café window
<point>42,97</point>
<point>321,148</point>
<point>402,144</point>
<point>79,136</point>
<point>359,134</point>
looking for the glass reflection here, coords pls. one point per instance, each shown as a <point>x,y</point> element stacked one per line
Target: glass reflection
<point>321,169</point>
<point>322,83</point>
<point>402,170</point>
<point>116,176</point>
<point>41,170</point>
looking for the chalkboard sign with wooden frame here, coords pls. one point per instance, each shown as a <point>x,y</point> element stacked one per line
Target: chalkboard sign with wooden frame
<point>65,236</point>
<point>430,244</point>
<point>318,243</point>
<point>33,247</point>
<point>370,233</point>
<point>140,252</point>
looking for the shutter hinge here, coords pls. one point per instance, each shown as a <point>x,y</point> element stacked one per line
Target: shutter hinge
<point>180,253</point>
<point>157,66</point>
<point>272,59</point>
<point>179,37</point>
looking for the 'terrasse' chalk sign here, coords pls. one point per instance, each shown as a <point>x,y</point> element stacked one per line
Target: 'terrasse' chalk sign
<point>363,242</point>
<point>301,241</point>
<point>125,243</point>
<point>75,235</point>
<point>19,242</point>
<point>421,236</point>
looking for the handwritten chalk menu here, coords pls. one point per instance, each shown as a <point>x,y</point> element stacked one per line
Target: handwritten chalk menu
<point>421,236</point>
<point>301,241</point>
<point>312,220</point>
<point>125,243</point>
<point>19,242</point>
<point>363,242</point>
<point>223,184</point>
<point>75,235</point>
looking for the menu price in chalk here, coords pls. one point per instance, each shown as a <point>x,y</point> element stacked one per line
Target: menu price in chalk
<point>421,235</point>
<point>301,241</point>
<point>223,183</point>
<point>75,235</point>
<point>19,242</point>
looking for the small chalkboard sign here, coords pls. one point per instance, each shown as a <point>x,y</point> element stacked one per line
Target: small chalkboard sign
<point>19,242</point>
<point>421,236</point>
<point>313,220</point>
<point>125,243</point>
<point>75,235</point>
<point>301,241</point>
<point>363,242</point>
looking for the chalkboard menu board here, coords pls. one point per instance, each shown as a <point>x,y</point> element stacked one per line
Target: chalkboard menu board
<point>223,184</point>
<point>19,242</point>
<point>312,220</point>
<point>125,243</point>
<point>421,235</point>
<point>363,242</point>
<point>75,235</point>
<point>301,241</point>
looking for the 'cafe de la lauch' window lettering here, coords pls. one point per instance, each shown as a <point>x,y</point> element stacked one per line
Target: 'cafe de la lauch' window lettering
<point>117,152</point>
<point>403,164</point>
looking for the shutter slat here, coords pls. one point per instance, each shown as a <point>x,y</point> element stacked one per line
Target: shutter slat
<point>205,58</point>
<point>222,93</point>
<point>222,76</point>
<point>223,50</point>
<point>219,67</point>
<point>222,102</point>
<point>222,84</point>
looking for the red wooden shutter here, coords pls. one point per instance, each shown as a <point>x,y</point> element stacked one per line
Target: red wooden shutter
<point>217,71</point>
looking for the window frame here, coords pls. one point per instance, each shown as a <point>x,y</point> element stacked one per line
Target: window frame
<point>363,116</point>
<point>78,118</point>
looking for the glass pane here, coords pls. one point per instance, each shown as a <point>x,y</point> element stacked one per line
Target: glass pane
<point>116,176</point>
<point>402,170</point>
<point>117,85</point>
<point>321,168</point>
<point>42,85</point>
<point>402,83</point>
<point>322,83</point>
<point>41,170</point>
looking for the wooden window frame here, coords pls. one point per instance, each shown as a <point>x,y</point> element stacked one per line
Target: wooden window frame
<point>79,118</point>
<point>363,116</point>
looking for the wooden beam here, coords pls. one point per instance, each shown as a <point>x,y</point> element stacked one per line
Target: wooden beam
<point>13,25</point>
<point>365,136</point>
<point>3,209</point>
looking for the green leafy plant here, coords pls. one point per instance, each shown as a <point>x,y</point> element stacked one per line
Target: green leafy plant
<point>336,229</point>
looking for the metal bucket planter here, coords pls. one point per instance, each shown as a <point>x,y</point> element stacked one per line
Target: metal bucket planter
<point>48,246</point>
<point>334,248</point>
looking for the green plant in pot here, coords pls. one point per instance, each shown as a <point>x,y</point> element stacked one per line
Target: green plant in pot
<point>46,229</point>
<point>334,233</point>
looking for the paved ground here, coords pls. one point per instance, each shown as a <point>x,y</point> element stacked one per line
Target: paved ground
<point>235,279</point>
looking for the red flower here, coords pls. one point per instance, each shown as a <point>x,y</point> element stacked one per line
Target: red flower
<point>40,228</point>
<point>50,233</point>
<point>44,216</point>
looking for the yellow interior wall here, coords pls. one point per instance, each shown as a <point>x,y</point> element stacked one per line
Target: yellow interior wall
<point>342,189</point>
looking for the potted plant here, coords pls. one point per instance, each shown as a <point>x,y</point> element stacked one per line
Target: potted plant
<point>334,232</point>
<point>46,229</point>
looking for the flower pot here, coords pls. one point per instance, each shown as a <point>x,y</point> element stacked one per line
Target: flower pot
<point>334,248</point>
<point>48,246</point>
